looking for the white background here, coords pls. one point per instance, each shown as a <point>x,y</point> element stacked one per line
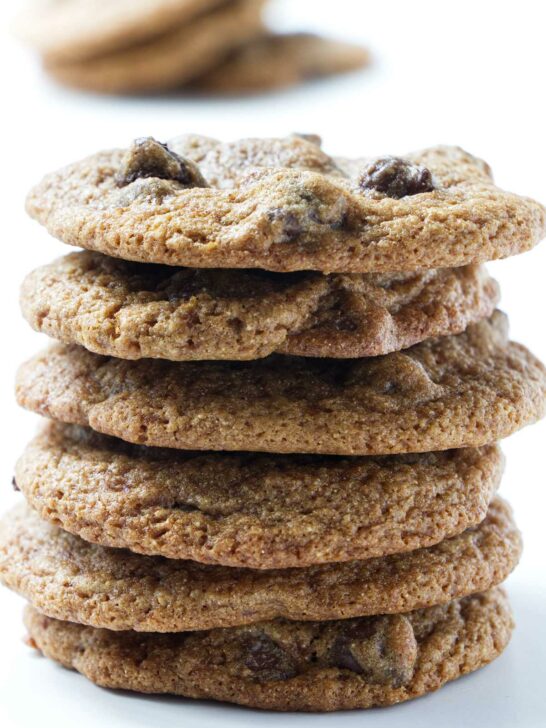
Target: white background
<point>468,73</point>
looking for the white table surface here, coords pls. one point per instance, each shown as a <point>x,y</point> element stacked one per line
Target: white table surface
<point>468,73</point>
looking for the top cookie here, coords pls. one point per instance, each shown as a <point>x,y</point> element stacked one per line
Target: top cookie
<point>285,205</point>
<point>66,30</point>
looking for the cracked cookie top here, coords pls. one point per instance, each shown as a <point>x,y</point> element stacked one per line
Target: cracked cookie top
<point>135,310</point>
<point>285,205</point>
<point>454,391</point>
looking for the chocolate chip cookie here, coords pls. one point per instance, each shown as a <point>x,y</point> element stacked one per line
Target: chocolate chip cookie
<point>70,30</point>
<point>68,578</point>
<point>169,60</point>
<point>274,61</point>
<point>258,511</point>
<point>285,205</point>
<point>303,666</point>
<point>132,310</point>
<point>454,391</point>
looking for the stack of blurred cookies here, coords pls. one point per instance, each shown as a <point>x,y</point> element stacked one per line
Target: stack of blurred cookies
<point>140,46</point>
<point>271,469</point>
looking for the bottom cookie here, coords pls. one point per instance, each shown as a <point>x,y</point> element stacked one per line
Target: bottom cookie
<point>282,665</point>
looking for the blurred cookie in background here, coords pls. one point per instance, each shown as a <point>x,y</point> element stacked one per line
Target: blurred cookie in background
<point>277,60</point>
<point>147,46</point>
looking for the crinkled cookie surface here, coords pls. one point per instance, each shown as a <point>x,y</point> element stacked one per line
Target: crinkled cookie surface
<point>68,578</point>
<point>258,511</point>
<point>132,310</point>
<point>455,391</point>
<point>285,205</point>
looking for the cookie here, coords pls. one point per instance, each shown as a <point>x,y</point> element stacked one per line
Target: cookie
<point>454,391</point>
<point>71,30</point>
<point>274,61</point>
<point>257,511</point>
<point>300,666</point>
<point>169,60</point>
<point>132,310</point>
<point>68,578</point>
<point>284,205</point>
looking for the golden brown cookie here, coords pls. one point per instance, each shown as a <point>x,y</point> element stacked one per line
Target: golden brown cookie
<point>169,60</point>
<point>285,205</point>
<point>68,578</point>
<point>273,61</point>
<point>454,391</point>
<point>258,511</point>
<point>71,30</point>
<point>301,666</point>
<point>132,310</point>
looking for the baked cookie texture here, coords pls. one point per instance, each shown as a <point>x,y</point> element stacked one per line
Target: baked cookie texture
<point>458,391</point>
<point>285,205</point>
<point>131,310</point>
<point>68,578</point>
<point>169,60</point>
<point>270,476</point>
<point>273,61</point>
<point>248,510</point>
<point>303,666</point>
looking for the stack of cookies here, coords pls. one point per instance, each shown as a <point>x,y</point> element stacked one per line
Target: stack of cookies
<point>271,469</point>
<point>137,46</point>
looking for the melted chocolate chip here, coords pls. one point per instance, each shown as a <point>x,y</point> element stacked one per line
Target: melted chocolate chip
<point>267,660</point>
<point>396,177</point>
<point>14,485</point>
<point>150,158</point>
<point>383,650</point>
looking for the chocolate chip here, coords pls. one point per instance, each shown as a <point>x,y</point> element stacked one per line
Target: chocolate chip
<point>287,226</point>
<point>149,158</point>
<point>382,649</point>
<point>345,323</point>
<point>267,660</point>
<point>396,177</point>
<point>14,485</point>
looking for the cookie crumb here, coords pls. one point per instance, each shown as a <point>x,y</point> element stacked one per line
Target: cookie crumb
<point>31,642</point>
